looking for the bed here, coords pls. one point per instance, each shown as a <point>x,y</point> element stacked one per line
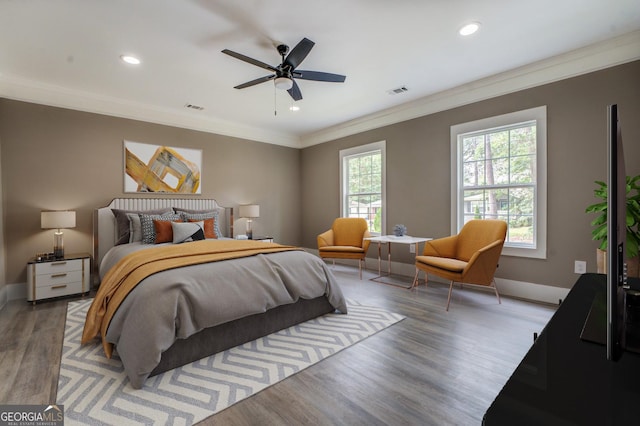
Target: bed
<point>165,304</point>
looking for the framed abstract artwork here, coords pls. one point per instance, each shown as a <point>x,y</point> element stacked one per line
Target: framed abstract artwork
<point>165,169</point>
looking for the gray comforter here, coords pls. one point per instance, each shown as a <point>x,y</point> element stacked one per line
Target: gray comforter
<point>177,303</point>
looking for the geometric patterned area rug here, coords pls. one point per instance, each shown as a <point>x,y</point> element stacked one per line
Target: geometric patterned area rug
<point>96,390</point>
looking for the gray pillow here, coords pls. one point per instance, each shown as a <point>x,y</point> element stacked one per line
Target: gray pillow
<point>123,229</point>
<point>135,229</point>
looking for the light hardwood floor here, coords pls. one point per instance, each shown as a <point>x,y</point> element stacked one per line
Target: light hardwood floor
<point>433,368</point>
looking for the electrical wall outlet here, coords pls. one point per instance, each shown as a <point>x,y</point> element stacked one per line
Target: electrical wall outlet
<point>412,248</point>
<point>580,267</point>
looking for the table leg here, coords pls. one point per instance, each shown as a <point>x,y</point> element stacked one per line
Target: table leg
<point>416,280</point>
<point>389,259</point>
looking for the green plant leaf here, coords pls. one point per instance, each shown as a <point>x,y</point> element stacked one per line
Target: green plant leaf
<point>599,233</point>
<point>632,218</point>
<point>600,193</point>
<point>596,208</point>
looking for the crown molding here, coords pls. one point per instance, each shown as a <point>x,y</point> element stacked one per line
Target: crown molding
<point>609,53</point>
<point>21,89</point>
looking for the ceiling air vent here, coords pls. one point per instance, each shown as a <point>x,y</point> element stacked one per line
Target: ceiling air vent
<point>398,90</point>
<point>196,107</point>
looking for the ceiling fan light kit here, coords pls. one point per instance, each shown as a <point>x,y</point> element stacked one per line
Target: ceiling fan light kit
<point>284,75</point>
<point>283,83</point>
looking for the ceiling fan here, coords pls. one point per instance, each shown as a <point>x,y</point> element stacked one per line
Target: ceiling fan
<point>285,74</point>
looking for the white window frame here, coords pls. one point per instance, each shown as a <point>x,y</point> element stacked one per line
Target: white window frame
<point>539,115</point>
<point>344,191</point>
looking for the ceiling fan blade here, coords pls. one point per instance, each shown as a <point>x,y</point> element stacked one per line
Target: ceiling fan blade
<point>319,76</point>
<point>295,91</point>
<point>256,81</point>
<point>298,53</point>
<point>249,60</point>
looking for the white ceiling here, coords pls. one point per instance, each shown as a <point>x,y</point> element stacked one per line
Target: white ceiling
<point>66,53</point>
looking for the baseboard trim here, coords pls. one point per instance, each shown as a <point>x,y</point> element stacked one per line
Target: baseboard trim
<point>4,298</point>
<point>16,291</point>
<point>534,292</point>
<point>531,291</point>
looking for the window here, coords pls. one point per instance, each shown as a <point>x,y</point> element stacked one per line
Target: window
<point>362,177</point>
<point>499,172</point>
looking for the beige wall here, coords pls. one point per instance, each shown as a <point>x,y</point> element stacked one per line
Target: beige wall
<point>418,168</point>
<point>54,158</point>
<point>3,283</point>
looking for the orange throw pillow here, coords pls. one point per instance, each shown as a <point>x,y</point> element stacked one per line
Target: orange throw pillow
<point>209,231</point>
<point>164,232</point>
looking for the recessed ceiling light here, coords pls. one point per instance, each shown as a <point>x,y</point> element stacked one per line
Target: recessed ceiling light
<point>130,59</point>
<point>294,108</point>
<point>469,29</point>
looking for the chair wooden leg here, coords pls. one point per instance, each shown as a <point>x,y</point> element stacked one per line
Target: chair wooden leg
<point>415,279</point>
<point>449,298</point>
<point>360,268</point>
<point>495,287</point>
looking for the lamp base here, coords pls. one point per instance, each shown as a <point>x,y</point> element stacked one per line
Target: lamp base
<point>249,229</point>
<point>58,245</point>
<point>58,252</point>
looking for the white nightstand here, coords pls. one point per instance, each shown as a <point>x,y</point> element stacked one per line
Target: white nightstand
<point>58,277</point>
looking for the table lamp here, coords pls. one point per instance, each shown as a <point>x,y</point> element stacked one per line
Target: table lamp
<point>250,212</point>
<point>58,220</point>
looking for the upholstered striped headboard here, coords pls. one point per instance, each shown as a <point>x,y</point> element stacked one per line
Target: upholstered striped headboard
<point>104,222</point>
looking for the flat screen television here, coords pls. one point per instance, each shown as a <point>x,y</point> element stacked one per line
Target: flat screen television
<point>616,236</point>
<point>605,323</point>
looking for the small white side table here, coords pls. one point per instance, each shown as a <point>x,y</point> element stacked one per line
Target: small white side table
<point>389,239</point>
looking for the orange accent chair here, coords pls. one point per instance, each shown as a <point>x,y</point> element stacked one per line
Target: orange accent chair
<point>470,257</point>
<point>345,240</point>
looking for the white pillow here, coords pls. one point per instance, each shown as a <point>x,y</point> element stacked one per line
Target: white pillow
<point>135,229</point>
<point>187,231</point>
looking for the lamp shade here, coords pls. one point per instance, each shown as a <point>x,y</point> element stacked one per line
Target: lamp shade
<point>250,211</point>
<point>59,219</point>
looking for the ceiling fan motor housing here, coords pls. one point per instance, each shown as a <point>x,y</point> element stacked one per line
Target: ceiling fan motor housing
<point>283,49</point>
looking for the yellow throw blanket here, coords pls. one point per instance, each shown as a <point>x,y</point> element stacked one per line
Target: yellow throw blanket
<point>125,275</point>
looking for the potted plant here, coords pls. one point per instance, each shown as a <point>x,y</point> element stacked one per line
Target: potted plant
<point>599,232</point>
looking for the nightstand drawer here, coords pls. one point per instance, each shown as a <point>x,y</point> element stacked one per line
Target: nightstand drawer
<point>62,289</point>
<point>61,277</point>
<point>58,266</point>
